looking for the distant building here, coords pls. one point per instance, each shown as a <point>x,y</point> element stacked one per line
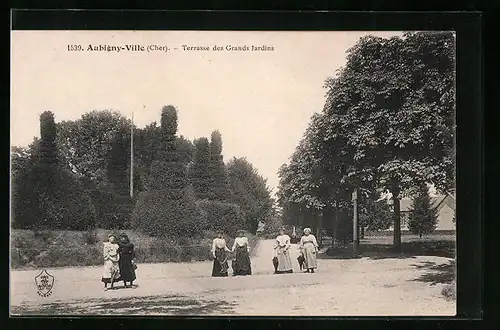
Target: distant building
<point>445,204</point>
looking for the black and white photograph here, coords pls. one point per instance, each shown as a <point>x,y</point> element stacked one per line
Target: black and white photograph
<point>232,173</point>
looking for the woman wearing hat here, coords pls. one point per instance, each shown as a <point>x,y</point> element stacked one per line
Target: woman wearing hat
<point>219,253</point>
<point>241,264</point>
<point>126,262</point>
<point>111,257</point>
<point>309,248</point>
<point>282,250</point>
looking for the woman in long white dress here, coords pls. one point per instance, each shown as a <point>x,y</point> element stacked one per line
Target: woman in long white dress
<point>282,251</point>
<point>309,248</point>
<point>111,271</point>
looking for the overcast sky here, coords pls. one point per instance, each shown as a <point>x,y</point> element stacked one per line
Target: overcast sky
<point>261,102</point>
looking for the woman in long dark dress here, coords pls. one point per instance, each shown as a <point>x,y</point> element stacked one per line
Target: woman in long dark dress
<point>219,253</point>
<point>242,264</point>
<point>126,262</point>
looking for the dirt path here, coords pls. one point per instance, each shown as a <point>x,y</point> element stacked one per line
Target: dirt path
<point>340,287</point>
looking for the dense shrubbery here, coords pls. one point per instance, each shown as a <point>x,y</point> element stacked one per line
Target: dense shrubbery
<point>273,224</point>
<point>84,248</point>
<point>76,177</point>
<point>113,210</point>
<point>75,208</point>
<point>169,208</point>
<point>45,194</point>
<point>375,216</point>
<point>250,192</point>
<point>222,216</point>
<point>156,215</point>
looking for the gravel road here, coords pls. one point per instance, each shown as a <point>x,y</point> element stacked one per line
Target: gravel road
<point>349,287</point>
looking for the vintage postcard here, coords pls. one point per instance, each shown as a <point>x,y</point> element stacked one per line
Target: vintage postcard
<point>232,173</point>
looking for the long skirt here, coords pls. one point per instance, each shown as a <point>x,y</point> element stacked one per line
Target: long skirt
<point>220,263</point>
<point>242,265</point>
<point>111,271</point>
<point>127,272</point>
<point>284,261</point>
<point>309,253</point>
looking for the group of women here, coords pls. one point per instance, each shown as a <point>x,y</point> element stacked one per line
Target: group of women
<point>308,247</point>
<point>241,263</point>
<point>119,262</point>
<point>119,257</point>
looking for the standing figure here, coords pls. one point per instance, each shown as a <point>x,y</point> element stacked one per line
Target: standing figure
<point>241,264</point>
<point>309,248</point>
<point>111,257</point>
<point>126,262</point>
<point>219,253</point>
<point>282,250</point>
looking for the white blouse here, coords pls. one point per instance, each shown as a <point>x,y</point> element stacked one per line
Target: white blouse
<point>282,241</point>
<point>308,239</point>
<point>241,241</point>
<point>110,251</point>
<point>219,243</point>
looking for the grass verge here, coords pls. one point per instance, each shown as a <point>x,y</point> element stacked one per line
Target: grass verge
<point>34,249</point>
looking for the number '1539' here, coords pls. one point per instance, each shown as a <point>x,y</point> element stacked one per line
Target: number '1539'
<point>75,48</point>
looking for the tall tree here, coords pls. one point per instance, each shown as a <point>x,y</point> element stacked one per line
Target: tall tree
<point>375,215</point>
<point>200,170</point>
<point>24,203</point>
<point>249,191</point>
<point>168,207</point>
<point>168,172</point>
<point>86,143</point>
<point>423,215</point>
<point>169,121</point>
<point>313,189</point>
<point>146,147</point>
<point>221,190</point>
<point>394,101</point>
<point>186,149</point>
<point>55,199</point>
<point>118,163</point>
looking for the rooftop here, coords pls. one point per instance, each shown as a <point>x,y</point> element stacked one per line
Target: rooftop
<point>437,201</point>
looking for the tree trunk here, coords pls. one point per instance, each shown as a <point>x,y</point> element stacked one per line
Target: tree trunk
<point>395,190</point>
<point>334,227</point>
<point>362,232</point>
<point>319,231</point>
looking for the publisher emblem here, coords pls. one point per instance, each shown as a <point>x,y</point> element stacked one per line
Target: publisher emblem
<point>44,282</point>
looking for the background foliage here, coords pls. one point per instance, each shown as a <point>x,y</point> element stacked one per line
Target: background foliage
<point>76,176</point>
<point>387,126</point>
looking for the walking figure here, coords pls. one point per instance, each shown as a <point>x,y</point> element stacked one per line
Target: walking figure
<point>219,253</point>
<point>241,265</point>
<point>111,257</point>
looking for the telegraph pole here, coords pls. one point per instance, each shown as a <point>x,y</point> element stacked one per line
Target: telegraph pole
<point>355,238</point>
<point>132,158</point>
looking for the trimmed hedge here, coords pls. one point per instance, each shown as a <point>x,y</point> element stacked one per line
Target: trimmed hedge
<point>222,216</point>
<point>30,249</point>
<point>158,215</point>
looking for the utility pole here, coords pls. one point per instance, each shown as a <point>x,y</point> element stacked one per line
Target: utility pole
<point>355,236</point>
<point>132,158</point>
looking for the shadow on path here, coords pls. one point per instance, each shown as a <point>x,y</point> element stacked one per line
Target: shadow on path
<point>436,273</point>
<point>165,305</point>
